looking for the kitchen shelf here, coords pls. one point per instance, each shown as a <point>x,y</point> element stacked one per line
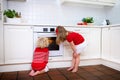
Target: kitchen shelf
<point>16,0</point>
<point>89,2</point>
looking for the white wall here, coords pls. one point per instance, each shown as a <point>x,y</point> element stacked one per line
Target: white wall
<point>52,12</point>
<point>113,14</point>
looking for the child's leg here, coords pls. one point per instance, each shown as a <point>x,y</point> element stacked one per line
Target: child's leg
<point>72,64</point>
<point>77,61</point>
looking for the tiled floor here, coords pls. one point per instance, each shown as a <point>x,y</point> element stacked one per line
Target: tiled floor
<point>96,72</point>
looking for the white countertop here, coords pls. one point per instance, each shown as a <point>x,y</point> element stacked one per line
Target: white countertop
<point>54,25</point>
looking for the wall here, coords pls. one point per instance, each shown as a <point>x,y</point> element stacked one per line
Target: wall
<point>113,14</point>
<point>52,12</point>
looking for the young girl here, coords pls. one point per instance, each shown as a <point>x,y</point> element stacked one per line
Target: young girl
<point>77,43</point>
<point>40,57</point>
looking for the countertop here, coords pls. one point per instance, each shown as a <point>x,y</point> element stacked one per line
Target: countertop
<point>54,25</point>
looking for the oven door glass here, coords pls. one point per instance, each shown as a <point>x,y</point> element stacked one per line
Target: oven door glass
<point>54,49</point>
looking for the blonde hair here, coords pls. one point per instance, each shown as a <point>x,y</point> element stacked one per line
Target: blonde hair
<point>42,42</point>
<point>62,33</point>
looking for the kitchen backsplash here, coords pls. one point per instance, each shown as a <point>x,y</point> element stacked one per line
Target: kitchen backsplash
<point>52,12</point>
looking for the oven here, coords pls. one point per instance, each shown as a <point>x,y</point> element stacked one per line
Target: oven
<point>49,32</point>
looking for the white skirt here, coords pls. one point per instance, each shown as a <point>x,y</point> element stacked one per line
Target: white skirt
<point>80,47</point>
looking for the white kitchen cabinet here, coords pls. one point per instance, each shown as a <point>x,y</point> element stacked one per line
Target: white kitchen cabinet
<point>91,2</point>
<point>1,34</point>
<point>111,44</point>
<point>92,37</point>
<point>105,43</point>
<point>18,44</point>
<point>115,44</point>
<point>94,44</point>
<point>1,44</point>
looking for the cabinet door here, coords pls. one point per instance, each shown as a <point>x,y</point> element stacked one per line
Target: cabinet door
<point>115,44</point>
<point>94,43</point>
<point>84,31</point>
<point>1,34</point>
<point>92,37</point>
<point>18,44</point>
<point>106,43</point>
<point>1,45</point>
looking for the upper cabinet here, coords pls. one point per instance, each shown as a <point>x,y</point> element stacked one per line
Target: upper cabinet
<point>92,2</point>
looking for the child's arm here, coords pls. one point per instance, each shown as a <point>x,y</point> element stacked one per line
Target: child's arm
<point>73,47</point>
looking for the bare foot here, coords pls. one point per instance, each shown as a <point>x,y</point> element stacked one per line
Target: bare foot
<point>69,69</point>
<point>35,73</point>
<point>38,72</point>
<point>31,72</point>
<point>74,70</point>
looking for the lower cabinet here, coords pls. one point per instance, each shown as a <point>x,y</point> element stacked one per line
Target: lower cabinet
<point>93,49</point>
<point>115,44</point>
<point>93,39</point>
<point>111,44</point>
<point>18,44</point>
<point>1,46</point>
<point>106,43</point>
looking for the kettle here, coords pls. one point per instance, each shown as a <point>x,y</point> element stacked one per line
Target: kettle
<point>106,22</point>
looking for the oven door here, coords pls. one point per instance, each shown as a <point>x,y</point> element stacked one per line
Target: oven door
<point>54,49</point>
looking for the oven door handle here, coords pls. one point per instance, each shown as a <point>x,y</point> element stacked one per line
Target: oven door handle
<point>45,35</point>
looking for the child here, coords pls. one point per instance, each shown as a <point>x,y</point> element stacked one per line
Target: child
<point>40,57</point>
<point>77,43</point>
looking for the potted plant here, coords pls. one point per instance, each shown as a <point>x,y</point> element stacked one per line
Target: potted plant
<point>12,15</point>
<point>88,20</point>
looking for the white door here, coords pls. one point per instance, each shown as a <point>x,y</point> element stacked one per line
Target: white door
<point>18,44</point>
<point>115,44</point>
<point>1,44</point>
<point>106,43</point>
<point>1,35</point>
<point>93,50</point>
<point>57,50</point>
<point>92,37</point>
